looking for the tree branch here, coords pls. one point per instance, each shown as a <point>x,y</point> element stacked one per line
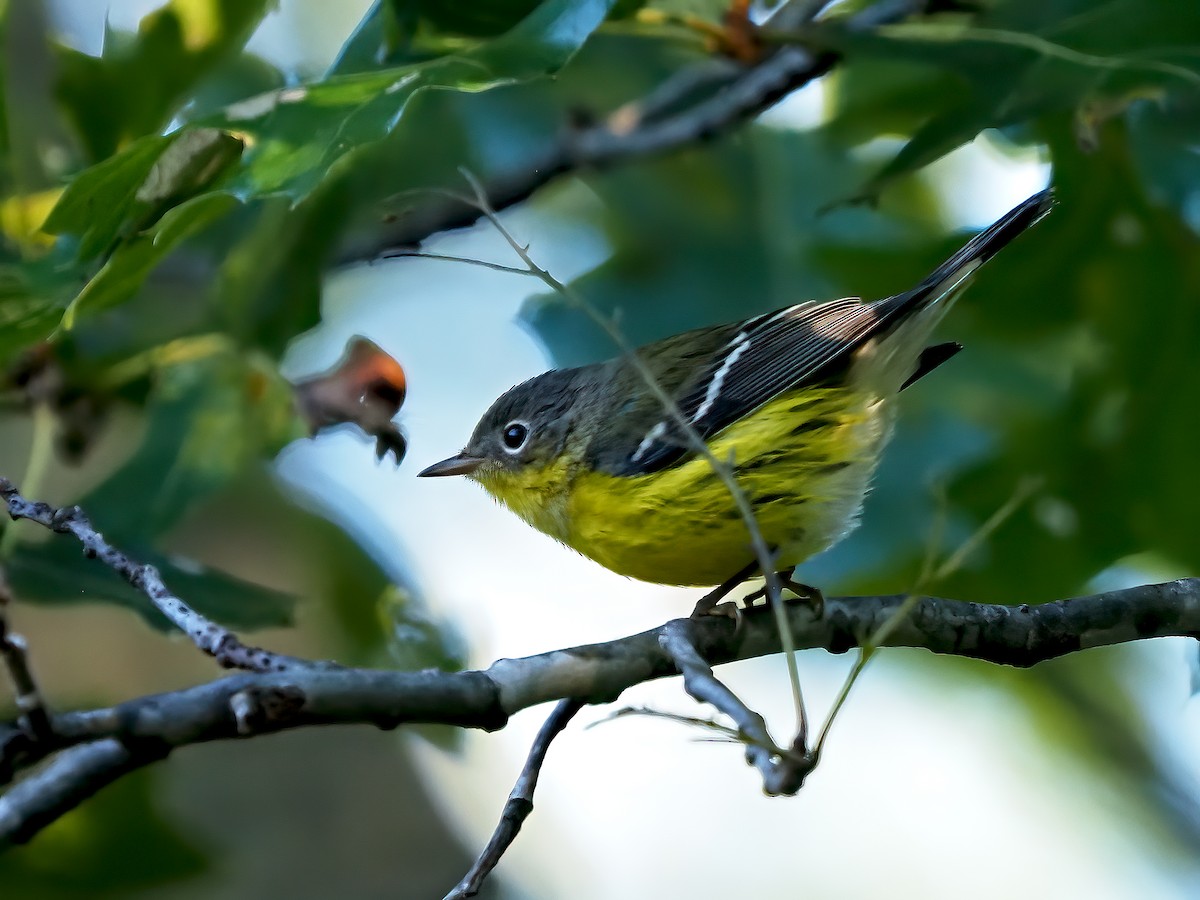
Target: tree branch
<point>35,720</point>
<point>245,705</point>
<point>730,97</point>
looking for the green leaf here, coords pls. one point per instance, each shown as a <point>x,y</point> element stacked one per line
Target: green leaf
<point>141,80</point>
<point>384,30</point>
<point>189,164</point>
<point>55,572</point>
<point>96,204</point>
<point>112,201</point>
<point>32,299</point>
<point>208,422</point>
<point>296,135</point>
<point>269,286</point>
<point>122,275</point>
<point>478,18</point>
<point>246,75</point>
<point>1056,59</point>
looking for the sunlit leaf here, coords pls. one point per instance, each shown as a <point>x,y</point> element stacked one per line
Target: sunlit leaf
<point>96,204</point>
<point>294,136</point>
<point>133,89</point>
<point>22,217</point>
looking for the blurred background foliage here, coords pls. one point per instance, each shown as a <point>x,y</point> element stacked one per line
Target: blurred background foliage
<point>170,206</point>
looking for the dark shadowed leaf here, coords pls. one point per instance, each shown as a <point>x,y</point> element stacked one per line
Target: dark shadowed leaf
<point>122,275</point>
<point>114,844</point>
<point>54,572</point>
<point>1079,59</point>
<point>208,422</point>
<point>33,297</point>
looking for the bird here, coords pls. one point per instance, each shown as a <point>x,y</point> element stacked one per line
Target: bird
<point>795,404</point>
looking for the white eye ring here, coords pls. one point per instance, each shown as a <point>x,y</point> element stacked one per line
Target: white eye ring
<point>515,435</point>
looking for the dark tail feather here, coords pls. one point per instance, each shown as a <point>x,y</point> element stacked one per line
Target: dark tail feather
<point>975,252</point>
<point>930,359</point>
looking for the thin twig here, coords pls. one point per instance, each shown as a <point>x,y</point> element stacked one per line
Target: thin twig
<point>520,801</point>
<point>218,642</point>
<point>795,14</point>
<point>34,721</point>
<point>726,733</point>
<point>469,260</point>
<point>670,95</point>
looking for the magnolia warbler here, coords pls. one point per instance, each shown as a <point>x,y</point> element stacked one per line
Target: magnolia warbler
<point>797,401</point>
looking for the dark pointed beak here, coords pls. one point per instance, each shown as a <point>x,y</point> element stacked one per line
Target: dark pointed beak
<point>455,465</point>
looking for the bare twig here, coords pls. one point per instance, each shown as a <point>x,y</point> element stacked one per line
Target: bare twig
<point>671,95</point>
<point>711,726</point>
<point>796,13</point>
<point>216,641</point>
<point>783,770</point>
<point>520,801</point>
<point>34,721</point>
<point>469,260</point>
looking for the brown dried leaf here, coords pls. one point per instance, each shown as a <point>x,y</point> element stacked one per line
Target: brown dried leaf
<point>365,388</point>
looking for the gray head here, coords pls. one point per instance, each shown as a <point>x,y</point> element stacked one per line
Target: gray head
<point>524,431</point>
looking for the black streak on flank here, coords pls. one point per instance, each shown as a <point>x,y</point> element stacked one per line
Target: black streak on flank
<point>764,499</point>
<point>833,468</point>
<point>814,425</point>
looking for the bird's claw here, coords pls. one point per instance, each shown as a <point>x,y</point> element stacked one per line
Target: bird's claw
<point>805,593</point>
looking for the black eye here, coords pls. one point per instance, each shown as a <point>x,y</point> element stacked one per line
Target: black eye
<point>515,435</point>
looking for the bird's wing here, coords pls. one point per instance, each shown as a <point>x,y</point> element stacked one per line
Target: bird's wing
<point>766,357</point>
<point>779,351</point>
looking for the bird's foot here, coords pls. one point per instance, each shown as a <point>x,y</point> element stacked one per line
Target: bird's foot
<point>710,604</point>
<point>805,593</point>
